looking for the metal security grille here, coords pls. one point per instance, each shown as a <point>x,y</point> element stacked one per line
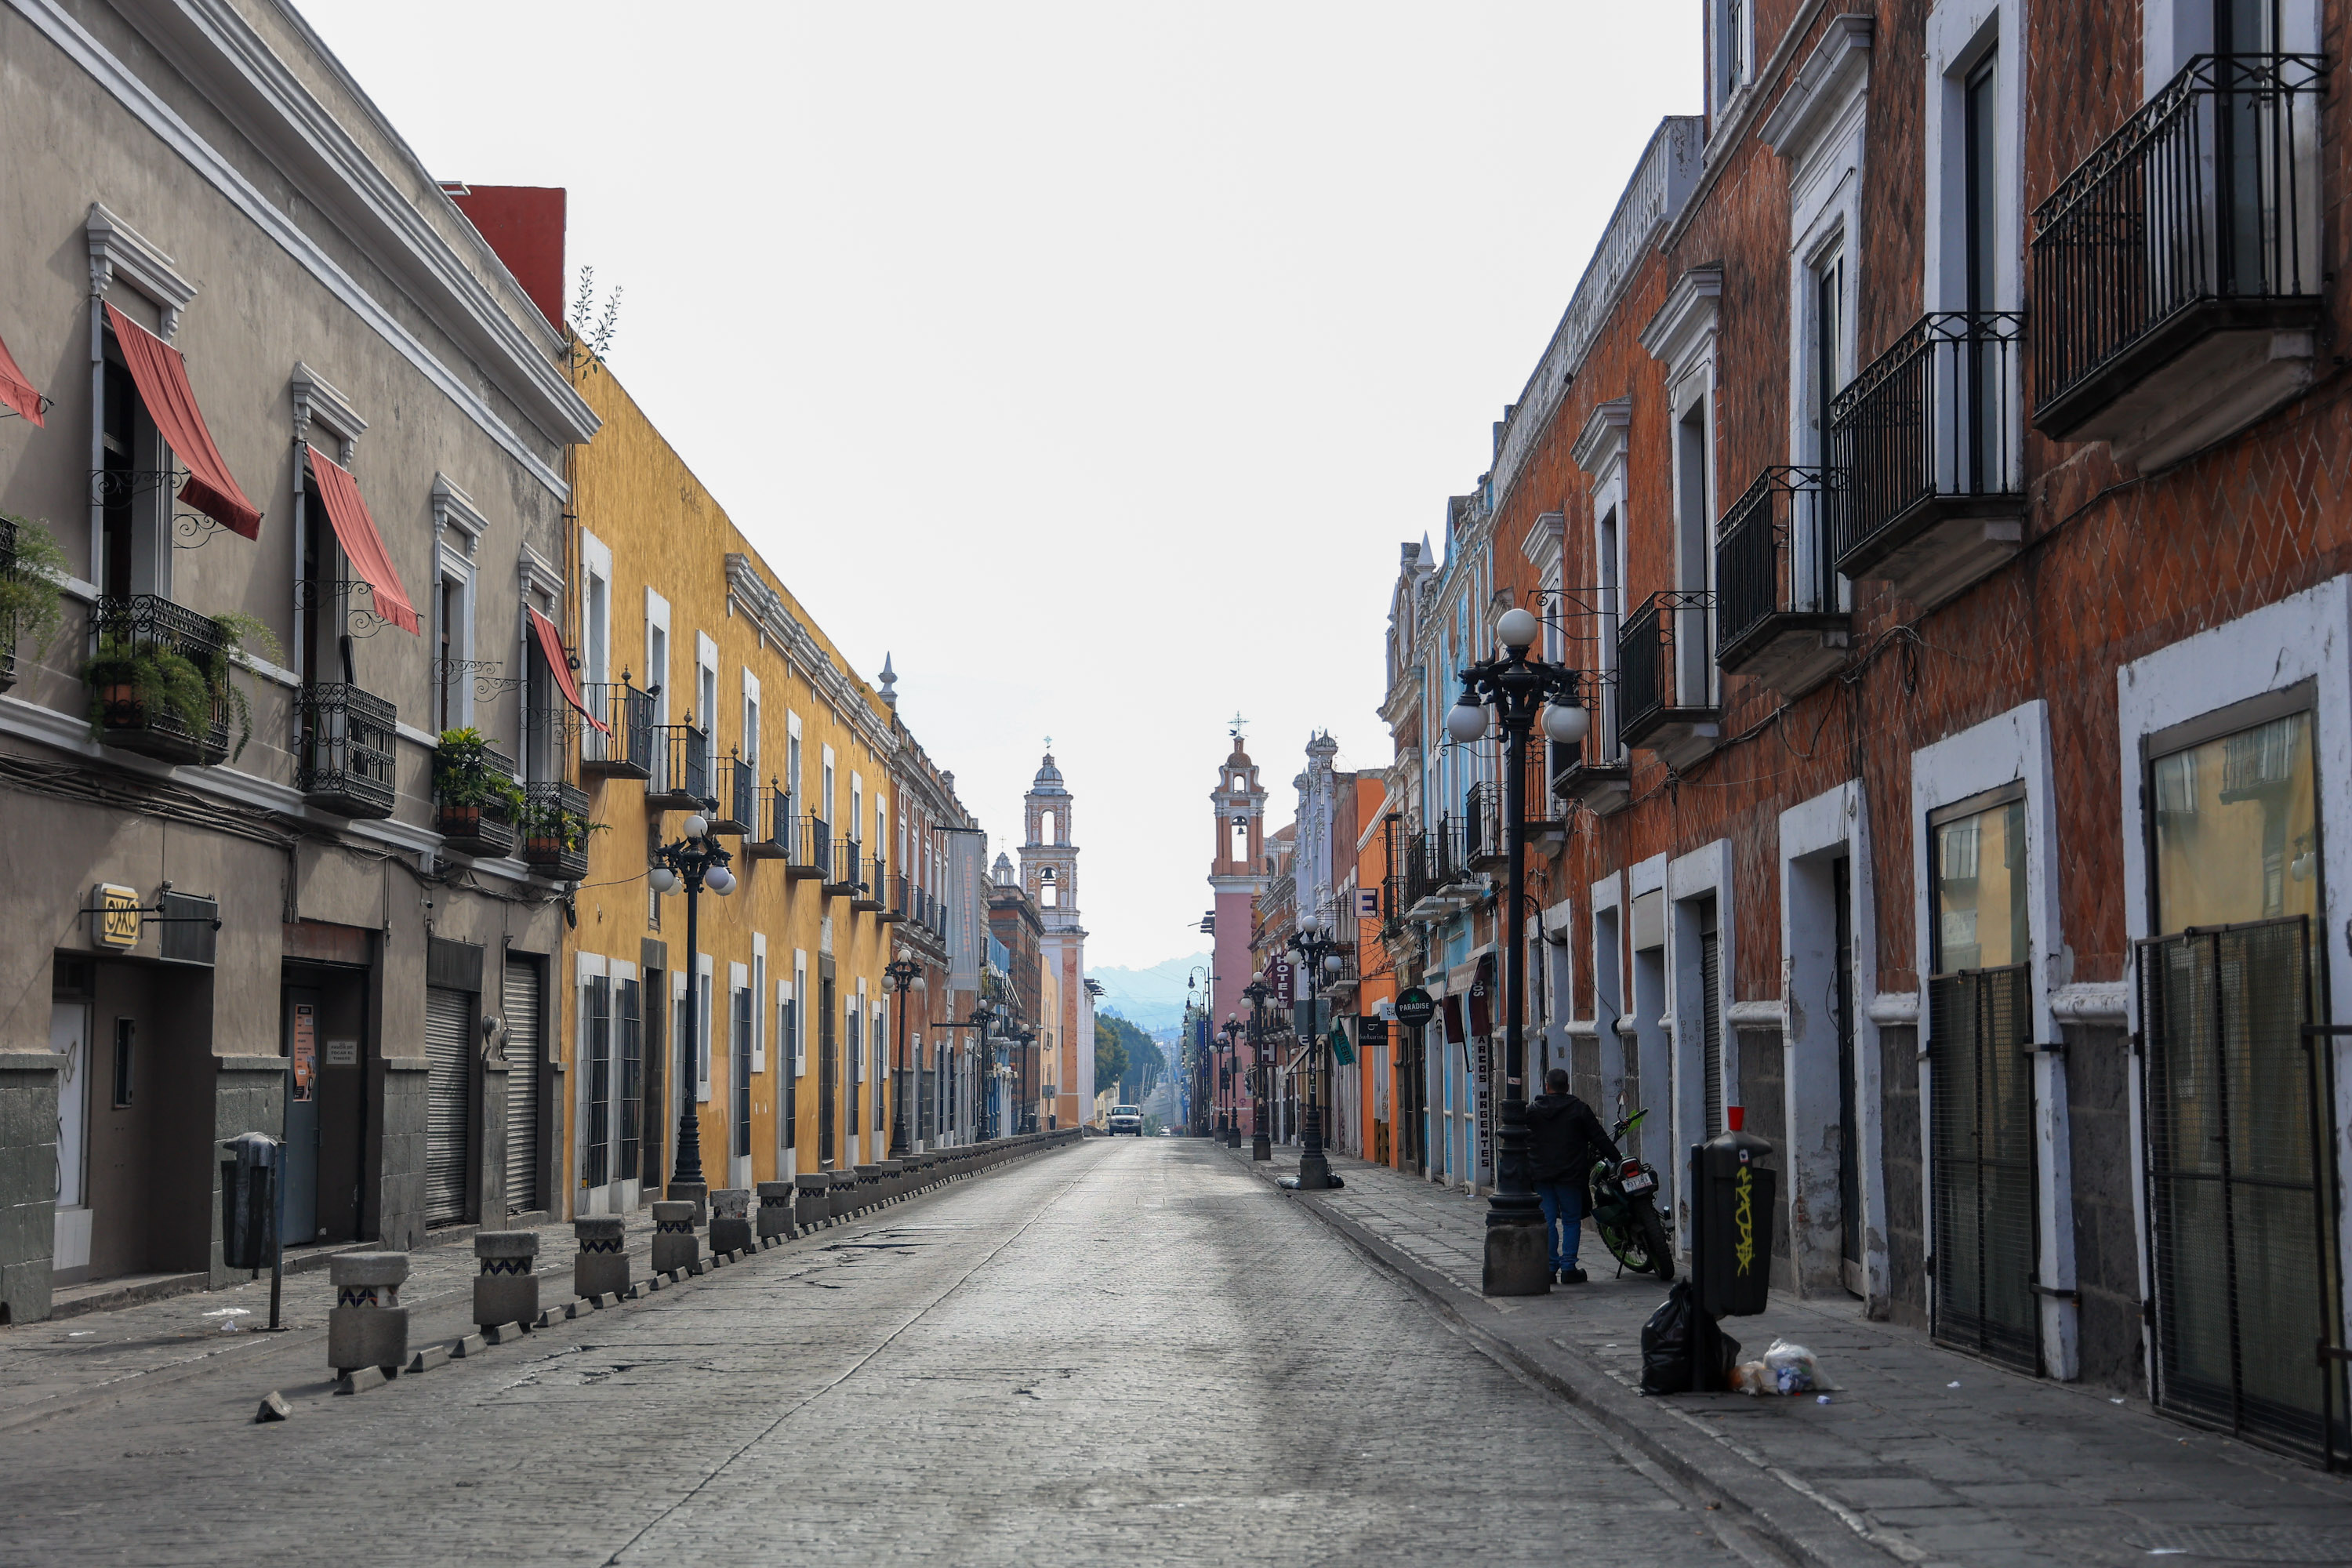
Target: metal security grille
<point>828,1072</point>
<point>596,1045</point>
<point>1982,1157</point>
<point>2238,1141</point>
<point>1710,1014</point>
<point>448,1051</point>
<point>525,1050</point>
<point>741,998</point>
<point>629,1053</point>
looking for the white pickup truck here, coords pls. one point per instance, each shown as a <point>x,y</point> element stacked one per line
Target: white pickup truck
<point>1126,1119</point>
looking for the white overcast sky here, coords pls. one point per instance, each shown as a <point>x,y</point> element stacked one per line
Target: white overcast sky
<point>1092,360</point>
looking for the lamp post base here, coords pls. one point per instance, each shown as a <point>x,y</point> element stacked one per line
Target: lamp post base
<point>1314,1172</point>
<point>1261,1145</point>
<point>1519,1259</point>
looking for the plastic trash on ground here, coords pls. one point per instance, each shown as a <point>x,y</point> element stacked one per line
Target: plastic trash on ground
<point>1786,1369</point>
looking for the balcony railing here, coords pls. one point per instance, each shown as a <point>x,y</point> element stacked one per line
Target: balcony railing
<point>1926,437</point>
<point>1485,824</point>
<point>738,793</point>
<point>681,779</point>
<point>894,908</point>
<point>1779,616</point>
<point>771,835</point>
<point>872,888</point>
<point>842,869</point>
<point>146,646</point>
<point>626,752</point>
<point>2199,216</point>
<point>7,629</point>
<point>811,849</point>
<point>345,753</point>
<point>1665,678</point>
<point>555,830</point>
<point>472,809</point>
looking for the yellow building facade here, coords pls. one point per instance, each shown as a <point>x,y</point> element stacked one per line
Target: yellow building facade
<point>717,686</point>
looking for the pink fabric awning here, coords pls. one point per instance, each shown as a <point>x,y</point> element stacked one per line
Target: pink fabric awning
<point>14,390</point>
<point>162,379</point>
<point>353,525</point>
<point>559,665</point>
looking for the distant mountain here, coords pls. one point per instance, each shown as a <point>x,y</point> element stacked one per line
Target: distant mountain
<point>1151,999</point>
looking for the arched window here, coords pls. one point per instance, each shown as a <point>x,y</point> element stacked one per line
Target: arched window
<point>1045,828</point>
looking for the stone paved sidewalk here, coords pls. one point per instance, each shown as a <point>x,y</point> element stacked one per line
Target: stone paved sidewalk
<point>1922,1454</point>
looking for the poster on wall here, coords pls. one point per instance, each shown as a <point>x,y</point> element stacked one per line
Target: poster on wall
<point>305,1050</point>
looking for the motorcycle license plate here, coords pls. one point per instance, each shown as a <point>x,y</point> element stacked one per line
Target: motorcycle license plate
<point>1641,1184</point>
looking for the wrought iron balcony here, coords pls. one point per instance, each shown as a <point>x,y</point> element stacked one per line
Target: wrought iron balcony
<point>627,752</point>
<point>555,830</point>
<point>1438,881</point>
<point>346,749</point>
<point>2178,273</point>
<point>894,906</point>
<point>1926,437</point>
<point>479,821</point>
<point>771,835</point>
<point>680,780</point>
<point>1666,679</point>
<point>1595,773</point>
<point>1779,618</point>
<point>811,850</point>
<point>871,887</point>
<point>841,876</point>
<point>738,792</point>
<point>8,631</point>
<point>147,647</point>
<point>1485,824</point>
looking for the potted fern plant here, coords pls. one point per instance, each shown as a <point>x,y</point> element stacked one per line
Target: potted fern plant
<point>32,570</point>
<point>476,800</point>
<point>167,690</point>
<point>555,829</point>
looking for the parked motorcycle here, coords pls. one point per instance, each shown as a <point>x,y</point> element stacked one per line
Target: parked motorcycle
<point>1622,1197</point>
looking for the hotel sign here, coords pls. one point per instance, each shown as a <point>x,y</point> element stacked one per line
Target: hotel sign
<point>114,916</point>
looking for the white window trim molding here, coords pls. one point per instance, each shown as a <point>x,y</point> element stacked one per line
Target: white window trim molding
<point>2306,636</point>
<point>2008,748</point>
<point>535,576</point>
<point>759,983</point>
<point>1837,820</point>
<point>706,662</point>
<point>1681,336</point>
<point>801,1027</point>
<point>316,402</point>
<point>118,250</point>
<point>1823,142</point>
<point>706,1004</point>
<point>658,619</point>
<point>1705,872</point>
<point>453,508</point>
<point>1958,33</point>
<point>2173,32</point>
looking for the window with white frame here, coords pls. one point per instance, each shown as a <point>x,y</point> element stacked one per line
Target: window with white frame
<point>658,654</point>
<point>793,760</point>
<point>1731,50</point>
<point>595,609</point>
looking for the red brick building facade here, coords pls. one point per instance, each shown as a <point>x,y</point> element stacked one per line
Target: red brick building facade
<point>1935,478</point>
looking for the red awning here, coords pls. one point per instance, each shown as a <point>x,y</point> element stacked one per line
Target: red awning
<point>162,379</point>
<point>362,542</point>
<point>15,391</point>
<point>559,664</point>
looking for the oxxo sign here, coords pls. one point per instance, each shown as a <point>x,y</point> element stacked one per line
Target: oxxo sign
<point>114,916</point>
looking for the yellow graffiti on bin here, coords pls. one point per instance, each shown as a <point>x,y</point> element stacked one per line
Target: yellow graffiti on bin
<point>1744,1216</point>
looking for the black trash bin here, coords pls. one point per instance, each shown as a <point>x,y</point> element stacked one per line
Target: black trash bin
<point>249,1201</point>
<point>1732,1244</point>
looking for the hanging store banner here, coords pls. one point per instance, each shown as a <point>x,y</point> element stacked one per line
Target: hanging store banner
<point>1341,1051</point>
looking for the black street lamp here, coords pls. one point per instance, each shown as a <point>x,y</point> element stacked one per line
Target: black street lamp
<point>1228,1124</point>
<point>1317,948</point>
<point>981,1012</point>
<point>1261,1135</point>
<point>694,862</point>
<point>1518,1254</point>
<point>902,973</point>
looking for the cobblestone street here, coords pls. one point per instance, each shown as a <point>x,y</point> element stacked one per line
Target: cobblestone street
<point>1128,1348</point>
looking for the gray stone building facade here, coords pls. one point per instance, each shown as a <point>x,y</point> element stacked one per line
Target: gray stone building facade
<point>222,245</point>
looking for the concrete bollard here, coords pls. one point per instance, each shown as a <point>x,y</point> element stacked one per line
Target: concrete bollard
<point>869,1186</point>
<point>894,1180</point>
<point>844,1193</point>
<point>505,1290</point>
<point>731,1219</point>
<point>775,1216</point>
<point>812,1200</point>
<point>368,1326</point>
<point>601,1268</point>
<point>677,1249</point>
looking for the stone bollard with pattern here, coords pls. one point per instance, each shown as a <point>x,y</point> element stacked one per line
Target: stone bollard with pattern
<point>775,1216</point>
<point>601,1267</point>
<point>677,1249</point>
<point>812,1200</point>
<point>731,1219</point>
<point>368,1326</point>
<point>505,1290</point>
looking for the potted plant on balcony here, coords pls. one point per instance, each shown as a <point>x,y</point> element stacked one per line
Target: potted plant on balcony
<point>135,679</point>
<point>468,789</point>
<point>32,570</point>
<point>553,834</point>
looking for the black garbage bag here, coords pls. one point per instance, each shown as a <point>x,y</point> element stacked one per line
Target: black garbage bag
<point>1666,1344</point>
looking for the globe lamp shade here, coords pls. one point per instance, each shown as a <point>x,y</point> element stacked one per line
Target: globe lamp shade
<point>1518,628</point>
<point>719,881</point>
<point>694,826</point>
<point>664,879</point>
<point>1332,963</point>
<point>1565,723</point>
<point>1466,723</point>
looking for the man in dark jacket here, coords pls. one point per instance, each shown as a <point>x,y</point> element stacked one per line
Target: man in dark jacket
<point>1564,1139</point>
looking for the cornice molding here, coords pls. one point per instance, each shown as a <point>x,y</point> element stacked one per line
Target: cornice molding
<point>747,589</point>
<point>1688,318</point>
<point>1602,441</point>
<point>1541,545</point>
<point>60,27</point>
<point>1832,75</point>
<point>535,573</point>
<point>315,400</point>
<point>452,507</point>
<point>116,247</point>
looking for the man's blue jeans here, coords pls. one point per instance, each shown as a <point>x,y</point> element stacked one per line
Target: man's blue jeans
<point>1563,1206</point>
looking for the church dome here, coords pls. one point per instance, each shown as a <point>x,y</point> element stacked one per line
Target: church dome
<point>1049,779</point>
